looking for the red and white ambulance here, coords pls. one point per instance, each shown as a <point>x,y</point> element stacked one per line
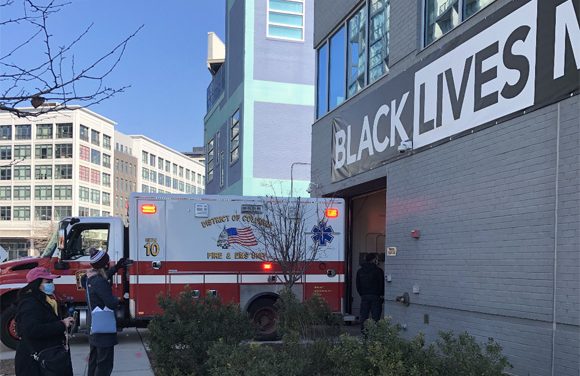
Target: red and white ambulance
<point>208,243</point>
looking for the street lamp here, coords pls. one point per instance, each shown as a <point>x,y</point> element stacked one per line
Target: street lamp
<point>292,175</point>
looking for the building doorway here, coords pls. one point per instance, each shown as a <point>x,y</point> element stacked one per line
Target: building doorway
<point>368,226</point>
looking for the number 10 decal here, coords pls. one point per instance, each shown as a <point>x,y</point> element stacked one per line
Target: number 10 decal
<point>151,247</point>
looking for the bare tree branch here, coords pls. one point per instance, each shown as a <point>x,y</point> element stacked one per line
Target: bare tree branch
<point>56,78</point>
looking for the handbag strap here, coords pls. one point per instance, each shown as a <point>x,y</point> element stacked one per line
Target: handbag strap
<point>88,295</point>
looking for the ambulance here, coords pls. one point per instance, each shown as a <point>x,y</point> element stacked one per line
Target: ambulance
<point>212,244</point>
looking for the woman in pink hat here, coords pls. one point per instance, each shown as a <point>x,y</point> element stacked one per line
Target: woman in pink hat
<point>38,323</point>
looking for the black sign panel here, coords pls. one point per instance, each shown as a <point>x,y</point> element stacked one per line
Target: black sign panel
<point>525,56</point>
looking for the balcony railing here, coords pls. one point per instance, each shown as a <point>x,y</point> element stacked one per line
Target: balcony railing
<point>215,88</point>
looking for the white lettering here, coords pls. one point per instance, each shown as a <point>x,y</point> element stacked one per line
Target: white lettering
<point>566,22</point>
<point>350,158</point>
<point>339,149</point>
<point>396,124</point>
<point>380,146</point>
<point>365,139</point>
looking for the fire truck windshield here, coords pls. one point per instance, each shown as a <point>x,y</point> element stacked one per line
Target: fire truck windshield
<point>50,246</point>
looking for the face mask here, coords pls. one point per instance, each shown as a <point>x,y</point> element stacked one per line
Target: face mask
<point>48,288</point>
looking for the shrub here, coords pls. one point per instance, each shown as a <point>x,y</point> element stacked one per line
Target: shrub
<point>180,338</point>
<point>309,319</point>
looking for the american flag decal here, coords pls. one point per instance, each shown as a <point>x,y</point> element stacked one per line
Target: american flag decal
<point>242,236</point>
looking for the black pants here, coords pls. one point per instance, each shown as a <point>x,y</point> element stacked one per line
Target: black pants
<point>370,304</point>
<point>101,361</point>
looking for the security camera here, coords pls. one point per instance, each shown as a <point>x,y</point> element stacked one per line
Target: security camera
<point>405,146</point>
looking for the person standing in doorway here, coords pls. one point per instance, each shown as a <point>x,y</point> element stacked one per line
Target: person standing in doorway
<point>370,284</point>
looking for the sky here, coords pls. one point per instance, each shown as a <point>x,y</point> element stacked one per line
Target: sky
<point>165,63</point>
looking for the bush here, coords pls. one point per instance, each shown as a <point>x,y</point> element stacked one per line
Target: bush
<point>312,318</point>
<point>180,338</point>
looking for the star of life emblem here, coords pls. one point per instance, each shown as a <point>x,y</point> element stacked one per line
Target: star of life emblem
<point>322,233</point>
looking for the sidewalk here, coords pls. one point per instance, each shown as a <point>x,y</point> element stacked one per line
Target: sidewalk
<point>130,355</point>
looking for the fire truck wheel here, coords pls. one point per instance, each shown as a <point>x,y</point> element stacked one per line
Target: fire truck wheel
<point>8,333</point>
<point>265,316</point>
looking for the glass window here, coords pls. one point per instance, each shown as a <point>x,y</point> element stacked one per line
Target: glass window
<point>175,184</point>
<point>106,198</point>
<point>83,212</point>
<point>210,160</point>
<point>160,163</point>
<point>43,131</point>
<point>106,213</point>
<point>95,176</point>
<point>21,213</point>
<point>153,176</point>
<point>145,188</point>
<point>106,160</point>
<point>187,174</point>
<point>168,181</point>
<point>84,194</point>
<point>63,171</point>
<point>107,142</point>
<point>180,171</point>
<point>144,157</point>
<point>63,151</point>
<point>61,212</point>
<point>322,82</point>
<point>161,179</point>
<point>43,192</point>
<point>106,180</point>
<point>63,192</point>
<point>21,172</point>
<point>5,213</point>
<point>6,152</point>
<point>95,213</point>
<point>337,69</point>
<point>43,213</point>
<point>64,130</point>
<point>145,173</point>
<point>22,151</point>
<point>5,193</point>
<point>84,173</point>
<point>167,166</point>
<point>5,132</point>
<point>22,193</point>
<point>95,196</point>
<point>357,52</point>
<point>235,137</point>
<point>5,173</point>
<point>152,159</point>
<point>440,16</point>
<point>379,39</point>
<point>84,153</point>
<point>43,151</point>
<point>286,19</point>
<point>84,133</point>
<point>95,156</point>
<point>43,172</point>
<point>95,137</point>
<point>175,169</point>
<point>23,132</point>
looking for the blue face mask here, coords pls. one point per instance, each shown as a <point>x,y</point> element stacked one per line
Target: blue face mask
<point>48,288</point>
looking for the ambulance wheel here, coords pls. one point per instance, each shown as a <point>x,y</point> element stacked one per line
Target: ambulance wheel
<point>8,333</point>
<point>265,317</point>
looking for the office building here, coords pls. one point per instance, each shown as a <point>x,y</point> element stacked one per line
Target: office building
<point>451,128</point>
<point>260,103</point>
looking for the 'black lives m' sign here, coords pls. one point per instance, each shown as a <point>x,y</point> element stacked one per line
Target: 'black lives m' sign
<point>525,56</point>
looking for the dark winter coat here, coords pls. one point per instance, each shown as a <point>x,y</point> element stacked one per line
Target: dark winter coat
<point>101,295</point>
<point>370,280</point>
<point>39,328</point>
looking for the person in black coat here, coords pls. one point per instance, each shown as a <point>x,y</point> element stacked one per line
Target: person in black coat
<point>370,284</point>
<point>38,323</point>
<point>102,345</point>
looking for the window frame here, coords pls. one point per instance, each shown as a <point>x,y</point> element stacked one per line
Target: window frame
<point>235,124</point>
<point>283,25</point>
<point>461,19</point>
<point>21,193</point>
<point>210,159</point>
<point>62,130</point>
<point>40,131</point>
<point>63,147</point>
<point>26,135</point>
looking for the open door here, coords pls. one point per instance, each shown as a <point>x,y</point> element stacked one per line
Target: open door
<point>368,235</point>
<point>150,276</point>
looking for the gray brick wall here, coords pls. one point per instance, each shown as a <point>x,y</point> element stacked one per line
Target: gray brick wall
<point>328,13</point>
<point>486,206</point>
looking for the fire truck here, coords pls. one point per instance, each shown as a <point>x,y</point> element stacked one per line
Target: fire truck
<point>209,243</point>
